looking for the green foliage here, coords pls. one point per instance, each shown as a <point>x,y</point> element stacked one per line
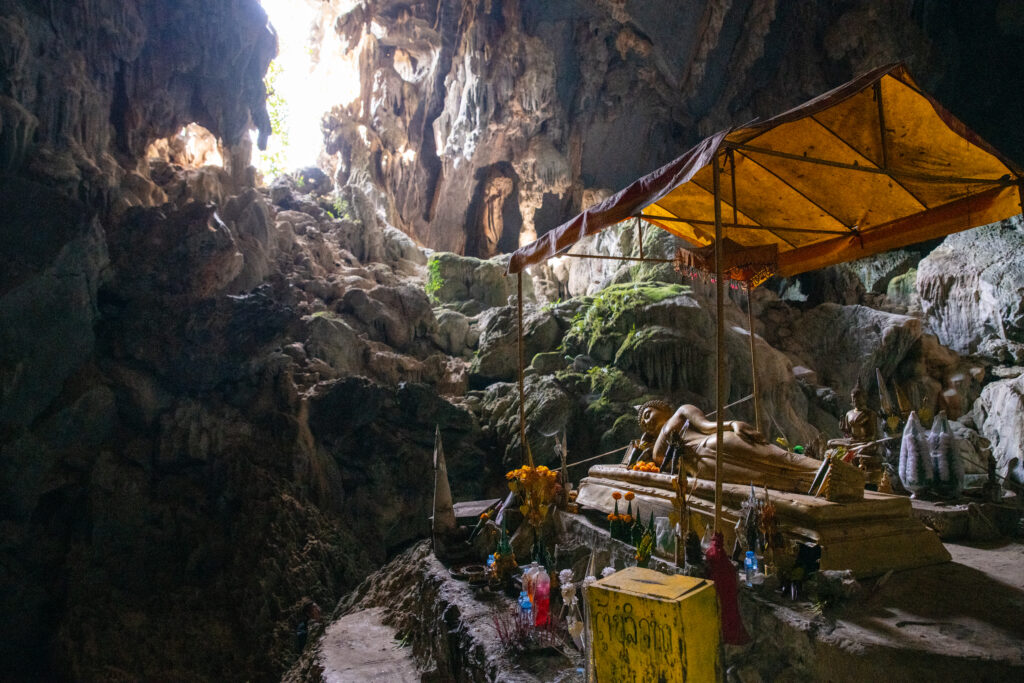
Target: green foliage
<point>271,161</point>
<point>550,306</point>
<point>602,377</point>
<point>434,279</point>
<point>609,312</point>
<point>340,209</point>
<point>610,384</point>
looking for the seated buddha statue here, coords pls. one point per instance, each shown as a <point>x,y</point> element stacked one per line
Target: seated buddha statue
<point>860,428</point>
<point>747,457</point>
<point>859,425</point>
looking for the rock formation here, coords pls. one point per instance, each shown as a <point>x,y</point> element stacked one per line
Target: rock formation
<point>187,455</point>
<point>483,124</point>
<point>218,402</point>
<point>972,288</point>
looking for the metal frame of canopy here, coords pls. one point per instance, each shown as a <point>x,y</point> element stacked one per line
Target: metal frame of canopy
<point>926,173</point>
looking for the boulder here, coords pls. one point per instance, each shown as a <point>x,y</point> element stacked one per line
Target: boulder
<point>972,286</point>
<point>333,340</point>
<point>396,315</point>
<point>550,409</point>
<point>548,362</point>
<point>999,414</point>
<point>586,276</point>
<point>452,334</point>
<point>256,237</point>
<point>498,356</point>
<point>846,343</point>
<point>462,280</point>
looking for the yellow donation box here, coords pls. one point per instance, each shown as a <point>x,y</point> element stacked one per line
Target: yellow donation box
<point>648,627</point>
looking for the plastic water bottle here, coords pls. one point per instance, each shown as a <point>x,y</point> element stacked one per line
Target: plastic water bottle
<point>525,608</point>
<point>750,567</point>
<point>530,579</point>
<point>541,597</point>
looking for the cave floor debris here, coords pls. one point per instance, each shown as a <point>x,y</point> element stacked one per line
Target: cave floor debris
<point>358,647</point>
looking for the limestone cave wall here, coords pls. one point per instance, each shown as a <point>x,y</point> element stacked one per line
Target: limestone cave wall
<point>218,401</point>
<point>187,456</point>
<point>484,123</point>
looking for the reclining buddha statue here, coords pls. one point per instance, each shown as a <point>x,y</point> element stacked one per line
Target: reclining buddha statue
<point>689,436</point>
<point>866,532</point>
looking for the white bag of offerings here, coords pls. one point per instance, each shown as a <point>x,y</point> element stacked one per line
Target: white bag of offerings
<point>948,470</point>
<point>916,468</point>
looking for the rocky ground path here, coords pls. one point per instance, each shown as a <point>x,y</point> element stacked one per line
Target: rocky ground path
<point>359,648</point>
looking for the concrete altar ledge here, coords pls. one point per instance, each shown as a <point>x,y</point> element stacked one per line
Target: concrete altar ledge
<point>869,537</point>
<point>968,520</point>
<point>956,621</point>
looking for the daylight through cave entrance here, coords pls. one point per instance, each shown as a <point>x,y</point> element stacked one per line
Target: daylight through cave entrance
<point>314,71</point>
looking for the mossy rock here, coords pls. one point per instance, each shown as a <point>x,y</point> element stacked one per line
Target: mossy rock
<point>669,360</point>
<point>903,288</point>
<point>624,430</point>
<point>498,356</point>
<point>612,384</point>
<point>657,244</point>
<point>599,328</point>
<point>548,362</point>
<point>454,279</point>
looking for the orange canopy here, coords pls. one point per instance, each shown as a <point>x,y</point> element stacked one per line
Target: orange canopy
<point>873,165</point>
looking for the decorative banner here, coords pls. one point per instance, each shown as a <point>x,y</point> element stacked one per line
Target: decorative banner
<point>750,265</point>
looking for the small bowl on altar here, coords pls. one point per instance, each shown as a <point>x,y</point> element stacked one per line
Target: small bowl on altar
<point>476,574</point>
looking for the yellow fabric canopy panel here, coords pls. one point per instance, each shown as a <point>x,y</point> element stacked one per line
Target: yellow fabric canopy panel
<point>873,165</point>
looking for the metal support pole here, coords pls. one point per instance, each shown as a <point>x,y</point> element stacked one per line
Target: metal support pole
<point>640,236</point>
<point>719,342</point>
<point>753,357</point>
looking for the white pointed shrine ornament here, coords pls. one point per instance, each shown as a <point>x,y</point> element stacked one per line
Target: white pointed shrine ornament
<point>443,518</point>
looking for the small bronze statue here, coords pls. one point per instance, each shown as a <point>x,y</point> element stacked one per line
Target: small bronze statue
<point>860,425</point>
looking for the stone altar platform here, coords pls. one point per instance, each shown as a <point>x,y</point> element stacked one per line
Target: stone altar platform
<point>868,537</point>
<point>954,621</point>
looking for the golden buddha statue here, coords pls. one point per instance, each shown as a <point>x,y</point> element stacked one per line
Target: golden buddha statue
<point>860,427</point>
<point>867,533</point>
<point>747,457</point>
<point>859,424</point>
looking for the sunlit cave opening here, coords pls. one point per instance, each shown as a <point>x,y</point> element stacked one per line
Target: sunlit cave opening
<point>314,71</point>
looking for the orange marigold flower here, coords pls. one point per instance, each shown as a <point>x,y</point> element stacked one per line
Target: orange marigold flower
<point>629,495</point>
<point>616,495</point>
<point>612,517</point>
